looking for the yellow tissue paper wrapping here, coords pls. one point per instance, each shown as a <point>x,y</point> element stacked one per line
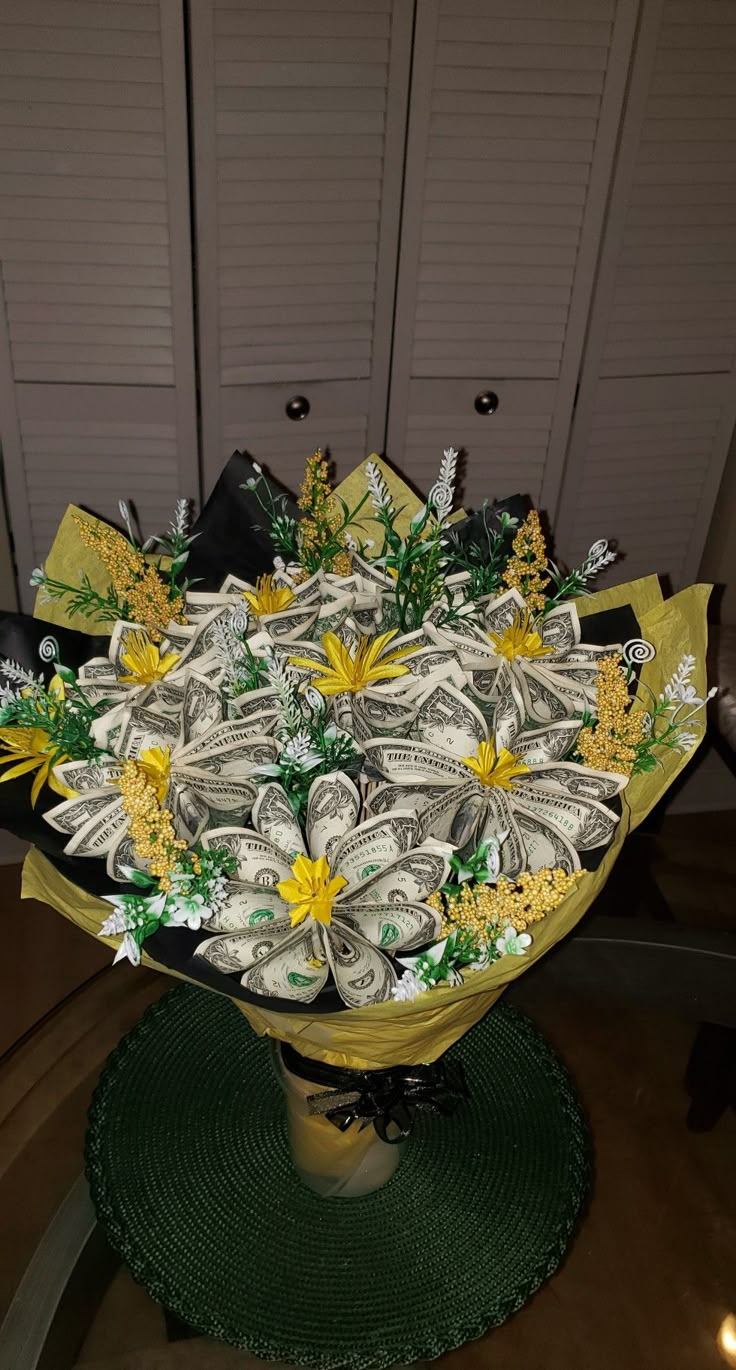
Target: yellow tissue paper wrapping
<point>410,1033</point>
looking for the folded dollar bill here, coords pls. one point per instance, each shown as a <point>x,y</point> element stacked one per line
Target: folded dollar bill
<point>382,877</point>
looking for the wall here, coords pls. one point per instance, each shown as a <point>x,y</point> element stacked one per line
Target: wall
<point>719,558</point>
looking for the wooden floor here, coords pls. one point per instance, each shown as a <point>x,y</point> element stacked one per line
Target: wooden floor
<point>652,1273</point>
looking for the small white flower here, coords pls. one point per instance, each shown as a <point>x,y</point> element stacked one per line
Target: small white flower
<point>181,518</point>
<point>128,950</point>
<point>685,741</point>
<point>351,543</point>
<point>258,469</point>
<point>38,576</point>
<point>299,750</point>
<point>188,910</point>
<point>408,988</point>
<point>512,943</point>
<point>377,487</point>
<point>114,925</point>
<point>251,483</point>
<point>683,694</point>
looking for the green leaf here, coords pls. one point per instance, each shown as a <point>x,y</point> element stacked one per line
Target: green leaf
<point>142,879</point>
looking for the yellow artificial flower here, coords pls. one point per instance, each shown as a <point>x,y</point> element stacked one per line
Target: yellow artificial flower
<point>520,639</point>
<point>526,570</point>
<point>155,763</point>
<point>144,661</point>
<point>151,828</point>
<point>311,891</point>
<point>490,769</point>
<point>267,600</point>
<point>346,673</point>
<point>30,749</point>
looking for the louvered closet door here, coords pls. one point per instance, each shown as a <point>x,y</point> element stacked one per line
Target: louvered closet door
<point>299,113</point>
<point>514,114</point>
<point>658,389</point>
<point>96,338</point>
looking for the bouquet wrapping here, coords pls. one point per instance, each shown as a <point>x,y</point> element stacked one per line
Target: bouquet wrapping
<point>353,760</point>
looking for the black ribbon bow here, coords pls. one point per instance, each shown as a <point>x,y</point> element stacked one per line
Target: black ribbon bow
<point>387,1098</point>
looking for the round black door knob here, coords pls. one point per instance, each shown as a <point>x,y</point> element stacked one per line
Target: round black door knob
<point>486,402</point>
<point>297,408</point>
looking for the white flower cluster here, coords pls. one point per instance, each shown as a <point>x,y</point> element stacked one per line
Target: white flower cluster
<point>17,679</point>
<point>284,682</point>
<point>442,495</point>
<point>228,632</point>
<point>377,487</point>
<point>678,688</point>
<point>599,556</point>
<point>180,521</point>
<point>420,972</point>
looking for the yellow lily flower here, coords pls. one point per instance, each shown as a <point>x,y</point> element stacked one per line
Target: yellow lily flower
<point>144,661</point>
<point>29,748</point>
<point>311,891</point>
<point>519,639</point>
<point>265,599</point>
<point>346,673</point>
<point>490,769</point>
<point>155,763</point>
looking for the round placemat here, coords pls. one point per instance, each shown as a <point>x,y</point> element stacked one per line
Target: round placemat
<point>188,1163</point>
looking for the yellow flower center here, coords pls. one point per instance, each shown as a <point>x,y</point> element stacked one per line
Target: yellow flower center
<point>156,766</point>
<point>519,639</point>
<point>348,672</point>
<point>490,769</point>
<point>144,662</point>
<point>311,890</point>
<point>265,599</point>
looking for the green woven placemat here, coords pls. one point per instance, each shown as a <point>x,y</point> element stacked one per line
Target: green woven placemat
<point>189,1169</point>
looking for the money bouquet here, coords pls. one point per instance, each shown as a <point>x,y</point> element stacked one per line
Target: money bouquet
<point>355,761</point>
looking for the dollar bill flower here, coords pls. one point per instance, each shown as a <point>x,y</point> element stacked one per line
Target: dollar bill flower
<point>468,785</point>
<point>348,669</point>
<point>268,598</point>
<point>285,605</point>
<point>338,901</point>
<point>194,761</point>
<point>354,675</point>
<point>555,671</point>
<point>144,662</point>
<point>135,665</point>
